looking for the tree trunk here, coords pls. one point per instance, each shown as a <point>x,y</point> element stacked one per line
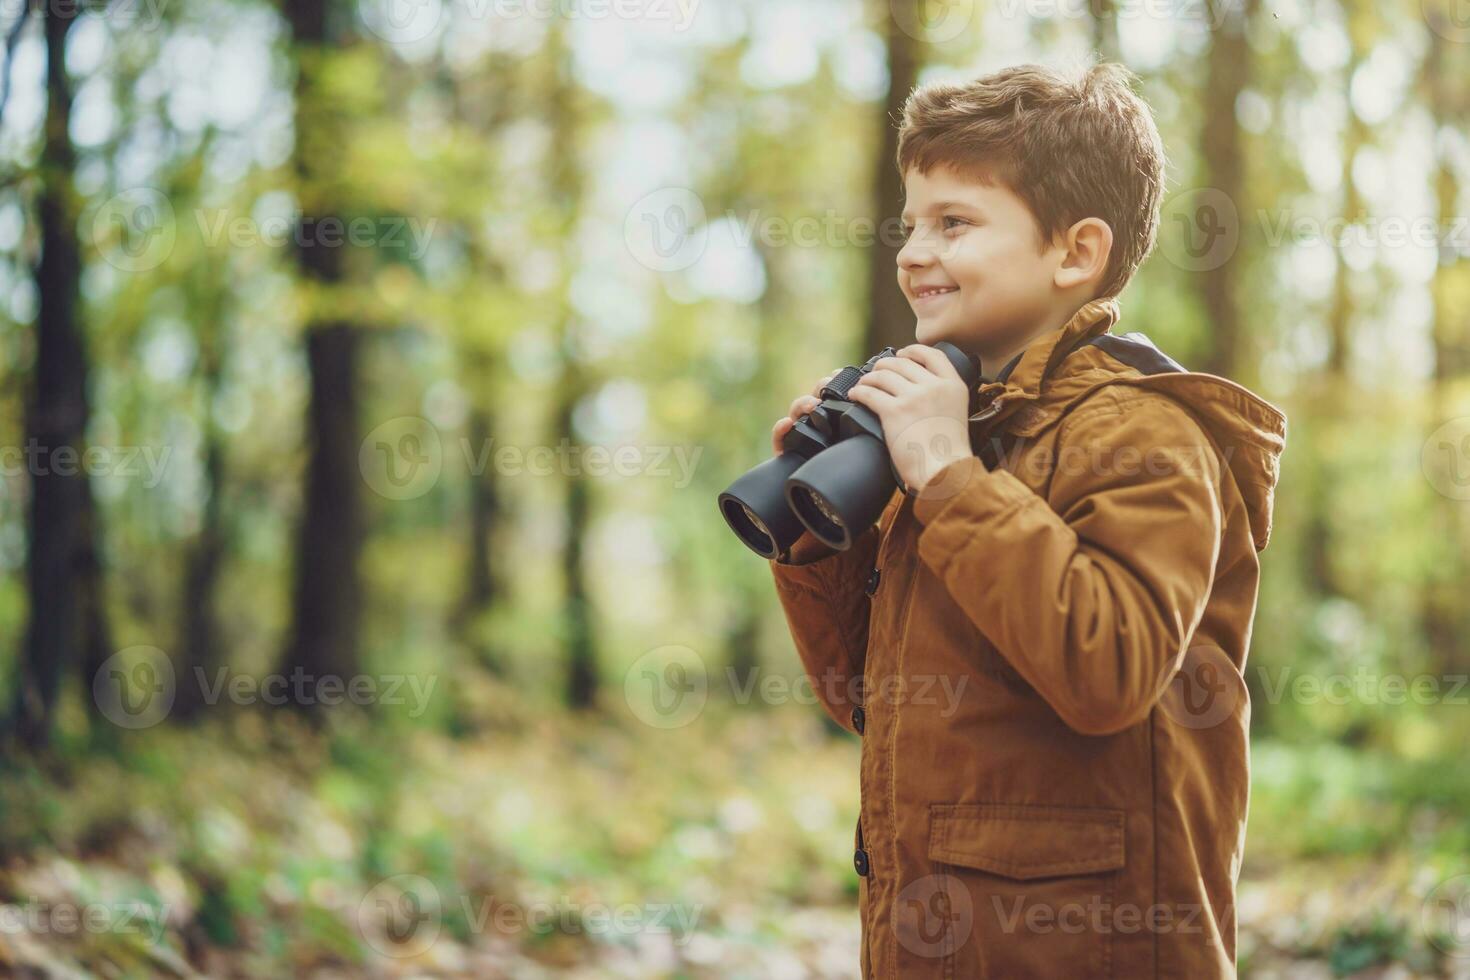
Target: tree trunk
<point>1442,613</point>
<point>1223,157</point>
<point>328,591</point>
<point>328,595</point>
<point>67,626</point>
<point>566,186</point>
<point>890,320</point>
<point>199,636</point>
<point>482,585</point>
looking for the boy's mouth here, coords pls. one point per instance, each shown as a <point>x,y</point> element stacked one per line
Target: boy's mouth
<point>928,295</point>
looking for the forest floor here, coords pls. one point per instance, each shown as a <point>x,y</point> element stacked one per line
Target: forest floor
<point>539,846</point>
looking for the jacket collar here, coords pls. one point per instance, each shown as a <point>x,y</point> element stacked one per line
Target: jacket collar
<point>1021,380</point>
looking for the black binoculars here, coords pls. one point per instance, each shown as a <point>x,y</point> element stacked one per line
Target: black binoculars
<point>834,475</point>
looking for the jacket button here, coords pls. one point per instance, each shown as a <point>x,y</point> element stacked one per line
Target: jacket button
<point>872,585</point>
<point>860,862</point>
<point>858,718</point>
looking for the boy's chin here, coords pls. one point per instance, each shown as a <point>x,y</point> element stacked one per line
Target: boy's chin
<point>931,332</point>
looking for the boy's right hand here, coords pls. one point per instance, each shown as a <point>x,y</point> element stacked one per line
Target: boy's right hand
<point>800,407</point>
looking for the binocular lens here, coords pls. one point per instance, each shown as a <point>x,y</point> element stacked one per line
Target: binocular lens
<point>817,515</point>
<point>755,507</point>
<point>748,526</point>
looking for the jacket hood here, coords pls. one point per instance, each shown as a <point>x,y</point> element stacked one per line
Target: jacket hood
<point>1043,381</point>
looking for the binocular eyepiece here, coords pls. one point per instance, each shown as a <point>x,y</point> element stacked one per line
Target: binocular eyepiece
<point>834,475</point>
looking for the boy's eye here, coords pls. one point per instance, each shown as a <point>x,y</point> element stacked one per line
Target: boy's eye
<point>951,222</point>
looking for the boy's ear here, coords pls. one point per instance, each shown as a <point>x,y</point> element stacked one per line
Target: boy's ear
<point>1086,247</point>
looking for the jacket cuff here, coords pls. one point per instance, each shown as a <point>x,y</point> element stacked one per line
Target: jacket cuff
<point>967,492</point>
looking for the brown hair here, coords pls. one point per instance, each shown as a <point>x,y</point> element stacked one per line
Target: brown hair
<point>1070,148</point>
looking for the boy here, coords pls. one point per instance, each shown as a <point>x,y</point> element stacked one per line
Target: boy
<point>1050,626</point>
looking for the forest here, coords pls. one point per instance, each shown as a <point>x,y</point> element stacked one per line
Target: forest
<point>368,373</point>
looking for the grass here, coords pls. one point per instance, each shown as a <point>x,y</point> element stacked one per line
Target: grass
<point>543,845</point>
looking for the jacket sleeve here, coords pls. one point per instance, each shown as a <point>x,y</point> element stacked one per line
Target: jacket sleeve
<point>1093,593</point>
<point>822,593</point>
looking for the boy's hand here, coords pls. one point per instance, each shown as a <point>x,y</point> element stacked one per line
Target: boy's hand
<point>923,404</point>
<point>802,405</point>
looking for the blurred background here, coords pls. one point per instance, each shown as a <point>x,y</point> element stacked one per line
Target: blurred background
<point>369,373</point>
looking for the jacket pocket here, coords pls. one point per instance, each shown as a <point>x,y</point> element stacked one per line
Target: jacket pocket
<point>1027,890</point>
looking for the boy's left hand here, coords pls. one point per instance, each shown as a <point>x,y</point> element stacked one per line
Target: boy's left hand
<point>924,406</point>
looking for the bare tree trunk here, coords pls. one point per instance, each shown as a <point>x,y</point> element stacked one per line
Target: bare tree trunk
<point>1442,612</point>
<point>566,185</point>
<point>199,635</point>
<point>1223,158</point>
<point>482,583</point>
<point>328,594</point>
<point>890,320</point>
<point>67,626</point>
<point>328,590</point>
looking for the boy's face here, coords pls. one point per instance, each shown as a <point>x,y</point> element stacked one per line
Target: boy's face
<point>972,268</point>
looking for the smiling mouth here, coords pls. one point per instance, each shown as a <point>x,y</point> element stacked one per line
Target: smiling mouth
<point>933,292</point>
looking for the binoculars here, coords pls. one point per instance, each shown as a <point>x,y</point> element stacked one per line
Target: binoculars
<point>834,475</point>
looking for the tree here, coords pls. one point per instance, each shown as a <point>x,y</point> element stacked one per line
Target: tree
<point>1442,606</point>
<point>67,624</point>
<point>1222,155</point>
<point>566,182</point>
<point>327,596</point>
<point>890,320</point>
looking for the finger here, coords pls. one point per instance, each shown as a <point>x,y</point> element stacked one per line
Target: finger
<point>802,405</point>
<point>890,381</point>
<point>817,391</point>
<point>871,396</point>
<point>903,366</point>
<point>932,360</point>
<point>778,433</point>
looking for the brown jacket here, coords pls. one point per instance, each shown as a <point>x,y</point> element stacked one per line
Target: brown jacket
<point>1045,663</point>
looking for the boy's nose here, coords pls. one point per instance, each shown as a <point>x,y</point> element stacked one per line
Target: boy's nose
<point>915,254</point>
